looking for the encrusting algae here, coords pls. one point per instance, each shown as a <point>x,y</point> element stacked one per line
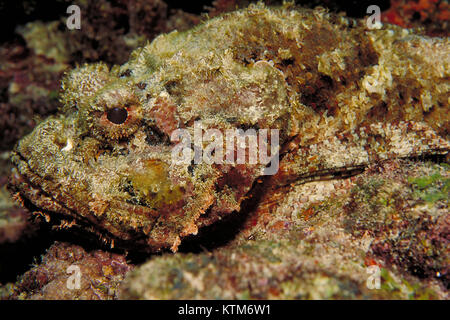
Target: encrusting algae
<point>341,95</point>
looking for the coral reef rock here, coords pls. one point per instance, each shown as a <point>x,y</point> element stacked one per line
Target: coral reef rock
<point>320,241</point>
<point>69,272</point>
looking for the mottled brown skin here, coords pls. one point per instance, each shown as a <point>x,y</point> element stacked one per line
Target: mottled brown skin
<point>341,95</point>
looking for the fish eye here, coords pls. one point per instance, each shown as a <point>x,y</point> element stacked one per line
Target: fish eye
<point>114,114</point>
<point>117,115</point>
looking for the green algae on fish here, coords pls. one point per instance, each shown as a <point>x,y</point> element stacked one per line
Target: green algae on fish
<point>341,96</point>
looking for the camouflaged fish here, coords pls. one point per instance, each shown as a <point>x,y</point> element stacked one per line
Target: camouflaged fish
<point>341,96</point>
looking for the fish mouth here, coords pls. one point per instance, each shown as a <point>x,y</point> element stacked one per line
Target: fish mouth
<point>64,200</point>
<point>64,213</point>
